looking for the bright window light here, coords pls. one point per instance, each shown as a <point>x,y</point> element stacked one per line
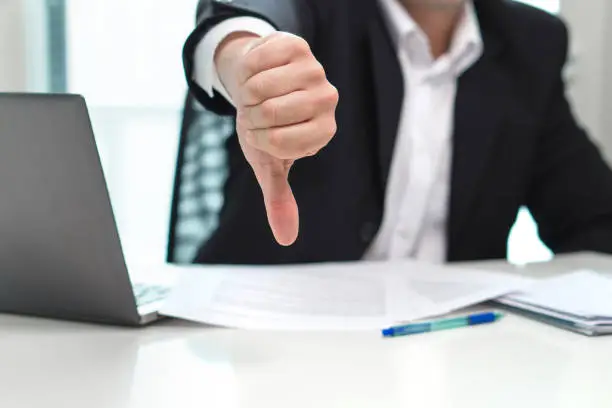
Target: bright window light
<point>552,6</point>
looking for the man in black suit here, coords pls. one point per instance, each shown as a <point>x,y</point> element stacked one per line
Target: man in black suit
<point>452,116</point>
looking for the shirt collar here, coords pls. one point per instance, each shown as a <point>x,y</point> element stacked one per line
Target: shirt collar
<point>399,22</point>
<point>466,45</point>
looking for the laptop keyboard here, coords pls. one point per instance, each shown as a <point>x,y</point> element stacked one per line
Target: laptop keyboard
<point>146,294</point>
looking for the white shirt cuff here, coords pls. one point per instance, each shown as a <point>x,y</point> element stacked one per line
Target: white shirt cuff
<point>205,72</point>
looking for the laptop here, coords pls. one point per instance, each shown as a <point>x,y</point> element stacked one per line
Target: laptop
<point>60,252</point>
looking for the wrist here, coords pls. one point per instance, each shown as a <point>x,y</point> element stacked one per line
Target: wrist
<point>228,55</point>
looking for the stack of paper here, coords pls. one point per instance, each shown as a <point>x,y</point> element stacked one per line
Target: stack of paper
<point>579,301</point>
<point>344,296</point>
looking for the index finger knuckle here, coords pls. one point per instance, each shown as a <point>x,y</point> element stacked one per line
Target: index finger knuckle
<point>251,64</point>
<point>299,46</point>
<point>253,91</point>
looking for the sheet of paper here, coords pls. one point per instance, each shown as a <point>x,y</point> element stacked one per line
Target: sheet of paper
<point>277,297</point>
<point>346,296</point>
<point>584,294</point>
<point>443,289</point>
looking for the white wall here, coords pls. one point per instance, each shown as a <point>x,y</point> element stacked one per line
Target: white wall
<point>591,90</point>
<point>24,60</point>
<point>136,64</point>
<point>606,78</point>
<point>13,74</point>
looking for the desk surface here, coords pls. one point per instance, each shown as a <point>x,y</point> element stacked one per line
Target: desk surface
<point>515,362</point>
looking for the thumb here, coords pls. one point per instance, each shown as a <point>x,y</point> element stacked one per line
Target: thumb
<point>281,206</point>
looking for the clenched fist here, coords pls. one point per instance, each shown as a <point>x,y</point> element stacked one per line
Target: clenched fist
<point>285,111</point>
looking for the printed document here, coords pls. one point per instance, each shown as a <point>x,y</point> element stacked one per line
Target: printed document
<point>343,296</point>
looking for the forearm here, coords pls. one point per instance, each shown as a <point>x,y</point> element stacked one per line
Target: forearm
<point>293,16</point>
<point>216,20</point>
<point>205,72</point>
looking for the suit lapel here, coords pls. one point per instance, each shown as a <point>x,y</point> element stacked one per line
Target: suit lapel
<point>388,92</point>
<point>480,111</point>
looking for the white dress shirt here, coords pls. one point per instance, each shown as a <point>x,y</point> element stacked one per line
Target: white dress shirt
<point>417,196</point>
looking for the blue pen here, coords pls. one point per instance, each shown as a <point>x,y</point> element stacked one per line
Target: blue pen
<point>444,324</point>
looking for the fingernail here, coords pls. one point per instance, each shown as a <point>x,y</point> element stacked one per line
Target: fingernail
<point>285,239</point>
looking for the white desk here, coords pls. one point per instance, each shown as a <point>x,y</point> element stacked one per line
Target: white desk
<point>513,363</point>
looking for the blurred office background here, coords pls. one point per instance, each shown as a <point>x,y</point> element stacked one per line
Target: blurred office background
<point>124,56</point>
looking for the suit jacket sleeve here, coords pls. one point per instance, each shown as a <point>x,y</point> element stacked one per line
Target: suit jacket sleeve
<point>571,191</point>
<point>294,16</point>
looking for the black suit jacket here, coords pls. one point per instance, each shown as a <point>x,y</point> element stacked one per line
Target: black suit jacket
<point>515,140</point>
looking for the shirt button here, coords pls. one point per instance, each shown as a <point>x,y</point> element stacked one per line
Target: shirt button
<point>368,230</point>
